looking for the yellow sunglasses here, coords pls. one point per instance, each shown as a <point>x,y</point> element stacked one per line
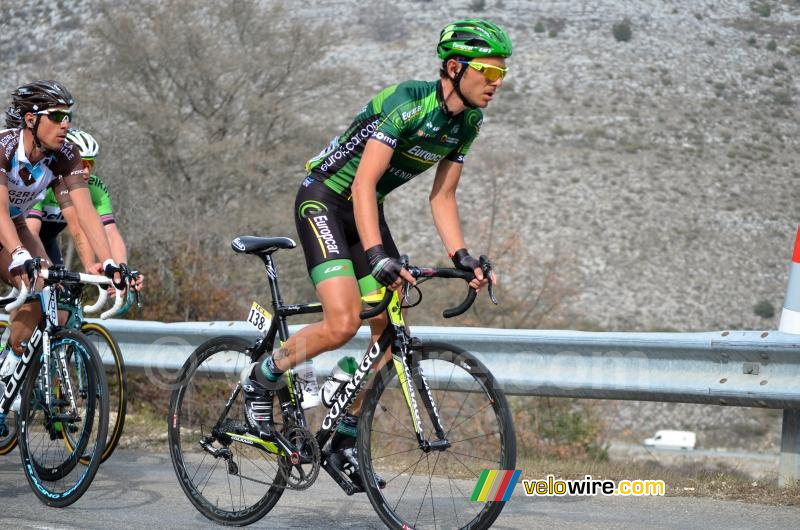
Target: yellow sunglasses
<point>490,72</point>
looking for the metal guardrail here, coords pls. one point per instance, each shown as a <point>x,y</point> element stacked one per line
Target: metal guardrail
<point>740,368</point>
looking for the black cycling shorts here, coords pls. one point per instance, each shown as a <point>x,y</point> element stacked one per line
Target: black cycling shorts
<point>326,226</point>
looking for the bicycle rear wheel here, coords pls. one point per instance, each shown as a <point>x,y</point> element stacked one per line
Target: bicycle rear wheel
<point>109,350</point>
<point>432,488</point>
<point>9,441</point>
<point>55,471</point>
<point>230,482</point>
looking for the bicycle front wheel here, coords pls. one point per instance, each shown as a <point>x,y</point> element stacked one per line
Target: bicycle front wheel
<point>431,486</point>
<point>9,441</point>
<point>229,479</point>
<point>111,356</point>
<point>55,470</point>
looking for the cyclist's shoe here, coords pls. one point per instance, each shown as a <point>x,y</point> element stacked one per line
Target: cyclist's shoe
<point>257,404</point>
<point>3,426</point>
<point>343,456</point>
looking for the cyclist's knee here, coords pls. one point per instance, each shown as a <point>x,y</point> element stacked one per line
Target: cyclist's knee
<point>342,329</point>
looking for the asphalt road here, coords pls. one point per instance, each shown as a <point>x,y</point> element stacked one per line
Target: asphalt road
<point>139,490</point>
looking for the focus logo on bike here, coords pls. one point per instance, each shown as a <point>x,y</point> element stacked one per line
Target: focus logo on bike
<point>259,317</point>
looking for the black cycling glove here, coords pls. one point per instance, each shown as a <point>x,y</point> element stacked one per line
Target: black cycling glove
<point>463,261</point>
<point>383,268</point>
<point>110,268</point>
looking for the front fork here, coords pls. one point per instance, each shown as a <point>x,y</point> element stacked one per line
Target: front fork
<point>412,381</point>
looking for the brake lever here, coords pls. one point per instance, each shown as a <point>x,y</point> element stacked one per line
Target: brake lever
<point>486,267</point>
<point>404,261</point>
<point>134,276</point>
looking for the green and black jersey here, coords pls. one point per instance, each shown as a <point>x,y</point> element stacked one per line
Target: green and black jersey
<point>410,118</point>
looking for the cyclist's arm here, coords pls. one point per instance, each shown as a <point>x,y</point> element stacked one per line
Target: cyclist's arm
<point>82,246</point>
<point>372,166</point>
<point>78,197</point>
<point>374,163</point>
<point>444,206</point>
<point>8,232</point>
<point>116,242</point>
<point>444,209</point>
<point>34,221</point>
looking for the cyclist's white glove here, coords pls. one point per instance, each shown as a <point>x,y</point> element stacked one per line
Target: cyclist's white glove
<point>19,258</point>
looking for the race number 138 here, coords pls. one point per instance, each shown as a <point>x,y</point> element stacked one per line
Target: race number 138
<point>259,317</point>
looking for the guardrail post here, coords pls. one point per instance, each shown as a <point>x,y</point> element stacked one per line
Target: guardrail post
<point>789,467</point>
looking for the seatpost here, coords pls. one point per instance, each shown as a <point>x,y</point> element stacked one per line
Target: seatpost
<point>277,299</point>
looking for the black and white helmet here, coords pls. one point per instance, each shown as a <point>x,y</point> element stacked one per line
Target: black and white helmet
<point>13,119</point>
<point>87,145</point>
<point>39,96</point>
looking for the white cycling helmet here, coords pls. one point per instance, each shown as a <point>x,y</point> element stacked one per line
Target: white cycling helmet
<point>86,143</point>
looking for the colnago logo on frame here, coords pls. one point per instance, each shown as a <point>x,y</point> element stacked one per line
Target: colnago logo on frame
<point>494,485</point>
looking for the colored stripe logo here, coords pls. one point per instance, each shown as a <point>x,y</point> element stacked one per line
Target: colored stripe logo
<point>496,485</point>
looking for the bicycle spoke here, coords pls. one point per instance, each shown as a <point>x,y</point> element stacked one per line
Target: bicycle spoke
<point>478,433</point>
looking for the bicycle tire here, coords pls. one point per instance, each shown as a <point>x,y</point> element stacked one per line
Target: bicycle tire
<point>196,403</point>
<point>9,441</point>
<point>55,473</point>
<point>107,347</point>
<point>469,403</point>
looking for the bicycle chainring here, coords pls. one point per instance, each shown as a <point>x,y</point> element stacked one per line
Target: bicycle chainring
<point>301,468</point>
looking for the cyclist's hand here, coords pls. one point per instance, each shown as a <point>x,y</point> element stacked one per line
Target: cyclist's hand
<point>115,272</point>
<point>463,261</point>
<point>137,282</point>
<point>21,262</point>
<point>387,270</point>
<point>95,268</point>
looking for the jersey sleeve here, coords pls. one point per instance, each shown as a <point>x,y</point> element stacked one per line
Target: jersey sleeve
<point>473,120</point>
<point>395,108</point>
<point>7,147</point>
<point>68,164</point>
<point>101,200</point>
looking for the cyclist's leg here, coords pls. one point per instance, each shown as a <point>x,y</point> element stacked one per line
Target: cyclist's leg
<point>323,220</point>
<point>24,320</point>
<point>341,303</point>
<point>343,441</point>
<point>50,245</point>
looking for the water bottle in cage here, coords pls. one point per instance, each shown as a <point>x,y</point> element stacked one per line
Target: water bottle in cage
<point>341,374</point>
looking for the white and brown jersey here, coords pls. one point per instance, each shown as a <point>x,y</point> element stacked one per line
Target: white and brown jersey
<point>26,182</point>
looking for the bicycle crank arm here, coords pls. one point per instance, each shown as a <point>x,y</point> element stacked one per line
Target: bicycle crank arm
<point>344,483</point>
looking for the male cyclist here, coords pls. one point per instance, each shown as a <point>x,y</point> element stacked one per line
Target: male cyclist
<point>47,219</point>
<point>349,250</point>
<point>34,155</point>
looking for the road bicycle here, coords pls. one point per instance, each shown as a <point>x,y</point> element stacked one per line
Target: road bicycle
<point>62,420</point>
<point>108,348</point>
<point>433,419</point>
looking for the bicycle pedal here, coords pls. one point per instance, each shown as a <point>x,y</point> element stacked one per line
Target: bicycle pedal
<point>345,483</point>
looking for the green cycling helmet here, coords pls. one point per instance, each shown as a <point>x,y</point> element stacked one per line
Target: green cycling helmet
<point>473,38</point>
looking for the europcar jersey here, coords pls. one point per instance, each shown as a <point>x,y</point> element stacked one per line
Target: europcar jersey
<point>49,210</point>
<point>27,181</point>
<point>408,117</point>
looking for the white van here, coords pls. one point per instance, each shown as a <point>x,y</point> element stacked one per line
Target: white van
<point>672,440</point>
